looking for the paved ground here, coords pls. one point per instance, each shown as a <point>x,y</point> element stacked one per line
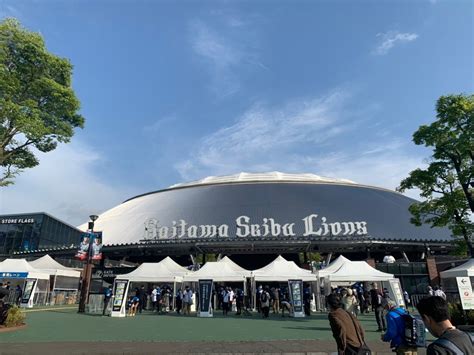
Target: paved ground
<point>64,331</point>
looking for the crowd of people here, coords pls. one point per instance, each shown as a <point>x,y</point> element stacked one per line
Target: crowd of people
<point>403,331</point>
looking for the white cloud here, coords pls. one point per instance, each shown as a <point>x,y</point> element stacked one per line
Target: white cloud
<point>65,185</point>
<point>224,52</point>
<point>389,39</point>
<point>325,136</point>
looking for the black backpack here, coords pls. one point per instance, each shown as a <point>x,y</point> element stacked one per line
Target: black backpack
<point>264,297</point>
<point>447,344</point>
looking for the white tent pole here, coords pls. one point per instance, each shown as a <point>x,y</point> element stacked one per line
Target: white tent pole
<point>174,294</point>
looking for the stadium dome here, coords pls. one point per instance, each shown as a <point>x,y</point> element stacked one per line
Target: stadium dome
<point>274,205</point>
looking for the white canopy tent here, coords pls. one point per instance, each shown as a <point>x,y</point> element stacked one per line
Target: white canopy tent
<point>281,269</point>
<point>219,271</point>
<point>354,271</point>
<point>11,267</point>
<point>52,267</point>
<point>166,270</point>
<point>333,267</point>
<point>464,270</point>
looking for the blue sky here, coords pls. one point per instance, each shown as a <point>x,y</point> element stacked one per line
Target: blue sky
<point>176,91</point>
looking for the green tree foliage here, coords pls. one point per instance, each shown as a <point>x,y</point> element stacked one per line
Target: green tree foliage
<point>38,107</point>
<point>447,184</point>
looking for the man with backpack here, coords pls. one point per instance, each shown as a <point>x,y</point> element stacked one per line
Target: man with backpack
<point>451,341</point>
<point>397,323</point>
<point>265,302</point>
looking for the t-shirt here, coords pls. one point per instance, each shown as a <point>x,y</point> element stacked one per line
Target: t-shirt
<point>459,338</point>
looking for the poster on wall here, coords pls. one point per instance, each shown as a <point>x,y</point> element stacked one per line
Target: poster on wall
<point>205,293</point>
<point>97,246</point>
<point>296,297</point>
<point>120,289</point>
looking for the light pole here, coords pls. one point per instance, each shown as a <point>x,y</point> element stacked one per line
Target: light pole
<point>87,272</point>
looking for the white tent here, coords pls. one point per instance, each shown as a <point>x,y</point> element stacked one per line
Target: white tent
<point>333,267</point>
<point>464,270</point>
<point>281,269</point>
<point>358,271</point>
<point>20,268</point>
<point>49,265</point>
<point>164,271</point>
<point>219,271</point>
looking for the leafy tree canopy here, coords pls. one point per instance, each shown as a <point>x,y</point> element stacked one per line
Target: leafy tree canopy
<point>447,184</point>
<point>38,107</point>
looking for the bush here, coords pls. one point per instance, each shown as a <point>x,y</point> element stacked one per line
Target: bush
<point>15,317</point>
<point>455,311</point>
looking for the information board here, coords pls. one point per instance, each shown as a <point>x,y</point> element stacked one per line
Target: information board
<point>396,293</point>
<point>28,293</point>
<point>465,292</point>
<point>119,298</point>
<point>296,297</point>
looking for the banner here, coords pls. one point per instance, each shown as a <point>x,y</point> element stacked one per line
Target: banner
<point>120,288</point>
<point>465,292</point>
<point>205,294</point>
<point>296,295</point>
<point>97,246</point>
<point>95,241</point>
<point>396,292</point>
<point>83,250</point>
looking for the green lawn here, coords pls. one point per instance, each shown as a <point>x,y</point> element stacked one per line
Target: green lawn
<point>66,325</point>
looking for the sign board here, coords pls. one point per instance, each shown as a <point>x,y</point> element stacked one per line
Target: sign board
<point>396,293</point>
<point>465,292</point>
<point>13,275</point>
<point>205,293</point>
<point>28,293</point>
<point>119,298</point>
<point>296,297</point>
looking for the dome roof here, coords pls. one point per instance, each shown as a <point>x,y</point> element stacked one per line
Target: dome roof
<point>275,176</point>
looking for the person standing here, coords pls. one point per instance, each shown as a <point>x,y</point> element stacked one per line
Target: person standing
<point>276,300</point>
<point>265,303</point>
<point>107,297</point>
<point>376,300</point>
<point>395,333</point>
<point>179,301</point>
<point>225,301</point>
<point>406,298</point>
<point>142,299</point>
<point>18,295</point>
<point>435,314</point>
<point>187,300</point>
<point>239,300</point>
<point>307,300</point>
<point>346,329</point>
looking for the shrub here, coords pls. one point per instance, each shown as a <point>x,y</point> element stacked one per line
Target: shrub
<point>15,317</point>
<point>456,314</point>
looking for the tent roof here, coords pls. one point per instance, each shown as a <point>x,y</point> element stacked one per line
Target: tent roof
<point>21,265</point>
<point>466,269</point>
<point>358,271</point>
<point>222,270</point>
<point>281,269</point>
<point>51,266</point>
<point>166,270</point>
<point>333,267</point>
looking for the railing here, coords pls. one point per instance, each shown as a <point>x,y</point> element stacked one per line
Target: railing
<point>63,297</point>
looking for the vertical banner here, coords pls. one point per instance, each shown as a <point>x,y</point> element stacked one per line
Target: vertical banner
<point>296,297</point>
<point>396,293</point>
<point>205,294</point>
<point>119,298</point>
<point>83,250</point>
<point>97,246</point>
<point>28,293</point>
<point>465,292</point>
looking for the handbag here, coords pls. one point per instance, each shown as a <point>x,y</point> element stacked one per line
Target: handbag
<point>363,349</point>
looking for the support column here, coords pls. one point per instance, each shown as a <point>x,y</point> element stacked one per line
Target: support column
<point>432,271</point>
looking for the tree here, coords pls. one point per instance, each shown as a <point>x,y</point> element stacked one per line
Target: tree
<point>38,107</point>
<point>447,183</point>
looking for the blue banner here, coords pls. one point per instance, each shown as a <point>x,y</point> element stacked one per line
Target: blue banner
<point>13,275</point>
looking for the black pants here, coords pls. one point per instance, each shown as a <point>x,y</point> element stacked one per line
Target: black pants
<point>225,308</point>
<point>379,317</point>
<point>266,311</point>
<point>106,303</point>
